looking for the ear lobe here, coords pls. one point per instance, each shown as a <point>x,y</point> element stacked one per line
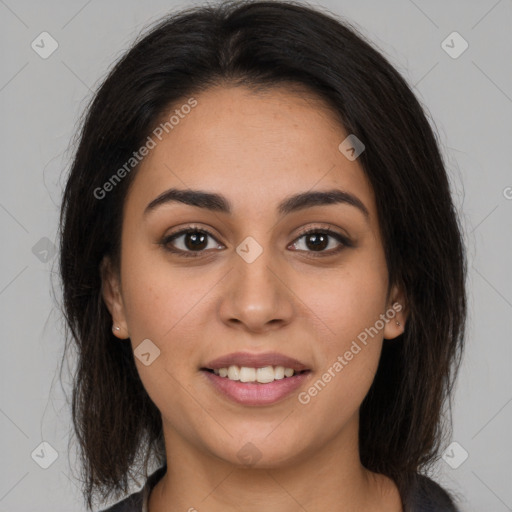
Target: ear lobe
<point>111,293</point>
<point>396,312</point>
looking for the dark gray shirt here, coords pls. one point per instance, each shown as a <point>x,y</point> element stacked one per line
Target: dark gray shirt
<point>426,496</point>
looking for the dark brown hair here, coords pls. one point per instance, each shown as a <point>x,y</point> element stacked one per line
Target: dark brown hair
<point>265,44</point>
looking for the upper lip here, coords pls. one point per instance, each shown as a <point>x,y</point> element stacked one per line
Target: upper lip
<point>256,361</point>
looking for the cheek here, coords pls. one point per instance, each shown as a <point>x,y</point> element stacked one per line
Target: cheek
<point>164,306</point>
<point>158,298</point>
<point>348,306</point>
<point>349,360</point>
<point>168,306</point>
<point>347,300</point>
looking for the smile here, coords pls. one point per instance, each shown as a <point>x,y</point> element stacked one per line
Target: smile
<point>262,375</point>
<point>255,386</point>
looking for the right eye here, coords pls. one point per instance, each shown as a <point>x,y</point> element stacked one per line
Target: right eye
<point>194,241</point>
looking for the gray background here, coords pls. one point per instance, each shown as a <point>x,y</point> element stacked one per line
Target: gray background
<point>470,100</point>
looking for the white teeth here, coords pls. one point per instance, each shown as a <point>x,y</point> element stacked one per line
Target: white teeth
<point>247,374</point>
<point>288,372</point>
<point>265,375</point>
<point>279,372</point>
<point>261,375</point>
<point>233,373</point>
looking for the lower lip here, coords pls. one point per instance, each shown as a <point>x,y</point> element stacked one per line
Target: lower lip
<point>248,393</point>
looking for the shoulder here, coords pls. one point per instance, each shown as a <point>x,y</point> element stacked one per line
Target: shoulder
<point>132,503</point>
<point>137,502</point>
<point>428,496</point>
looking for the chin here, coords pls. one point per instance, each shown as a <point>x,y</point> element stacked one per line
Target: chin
<point>259,453</point>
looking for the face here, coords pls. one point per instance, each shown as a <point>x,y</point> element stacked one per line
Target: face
<point>246,278</point>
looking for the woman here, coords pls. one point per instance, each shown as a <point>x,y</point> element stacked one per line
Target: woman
<point>262,270</point>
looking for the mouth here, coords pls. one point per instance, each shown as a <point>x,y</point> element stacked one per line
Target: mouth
<point>249,386</point>
<point>253,375</point>
<point>254,379</point>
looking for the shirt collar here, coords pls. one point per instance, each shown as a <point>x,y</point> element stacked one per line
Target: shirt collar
<point>152,480</point>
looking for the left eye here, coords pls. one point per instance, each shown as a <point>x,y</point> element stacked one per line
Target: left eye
<point>317,240</point>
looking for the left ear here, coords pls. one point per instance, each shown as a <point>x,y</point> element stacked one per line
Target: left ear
<point>111,293</point>
<point>396,312</point>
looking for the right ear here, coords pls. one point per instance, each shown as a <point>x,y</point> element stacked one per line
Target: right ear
<point>111,292</point>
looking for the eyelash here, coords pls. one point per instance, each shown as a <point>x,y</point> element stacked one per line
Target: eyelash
<point>345,242</point>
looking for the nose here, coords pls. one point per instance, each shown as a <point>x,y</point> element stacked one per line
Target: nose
<point>256,295</point>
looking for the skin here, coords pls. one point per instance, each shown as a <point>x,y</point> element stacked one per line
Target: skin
<point>255,149</point>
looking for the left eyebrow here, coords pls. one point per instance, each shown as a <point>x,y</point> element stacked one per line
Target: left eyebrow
<point>219,203</point>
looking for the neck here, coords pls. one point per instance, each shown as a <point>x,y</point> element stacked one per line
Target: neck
<point>329,477</point>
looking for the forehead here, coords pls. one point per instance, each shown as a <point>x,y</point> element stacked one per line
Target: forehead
<point>254,147</point>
